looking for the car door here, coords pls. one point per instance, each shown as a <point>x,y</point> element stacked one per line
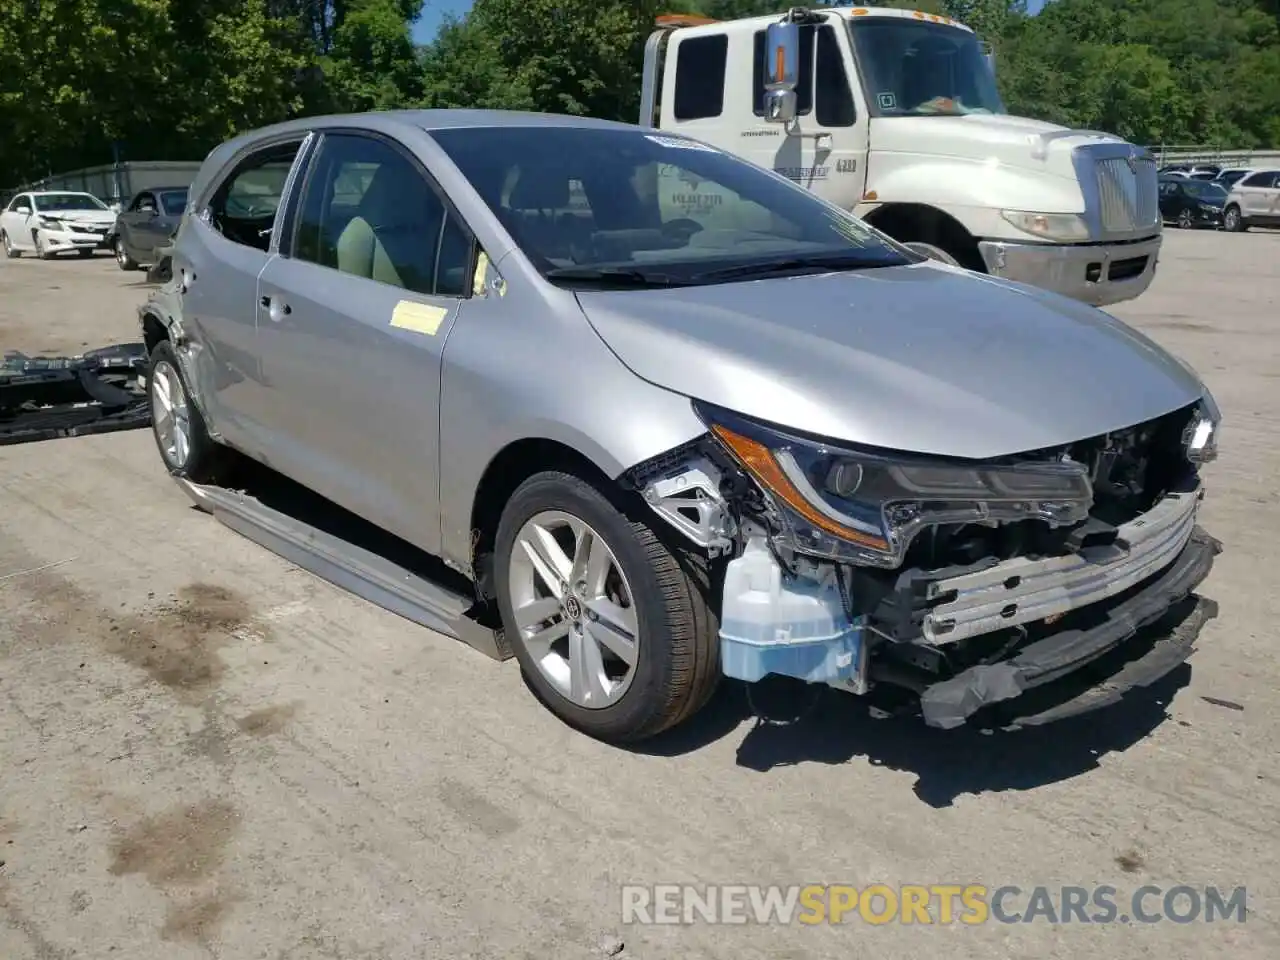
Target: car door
<point>1250,192</point>
<point>353,317</point>
<point>18,222</point>
<point>1268,210</point>
<point>216,262</point>
<point>130,221</point>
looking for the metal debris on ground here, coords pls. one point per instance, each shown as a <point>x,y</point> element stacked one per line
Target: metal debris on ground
<point>42,398</point>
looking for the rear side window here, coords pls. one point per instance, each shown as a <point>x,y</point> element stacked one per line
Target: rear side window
<point>244,207</point>
<point>1259,180</point>
<point>700,74</point>
<point>804,89</point>
<point>369,211</point>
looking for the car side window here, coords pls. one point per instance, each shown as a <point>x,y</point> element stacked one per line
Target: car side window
<point>370,211</point>
<point>1258,180</point>
<point>21,203</point>
<point>243,208</point>
<point>143,202</point>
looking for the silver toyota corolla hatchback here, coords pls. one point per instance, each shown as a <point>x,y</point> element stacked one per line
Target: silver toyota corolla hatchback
<point>678,418</point>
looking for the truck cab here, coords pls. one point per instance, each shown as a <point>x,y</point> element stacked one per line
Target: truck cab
<point>894,115</point>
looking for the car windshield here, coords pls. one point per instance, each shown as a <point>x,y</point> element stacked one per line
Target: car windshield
<point>1205,190</point>
<point>920,69</point>
<point>54,202</point>
<point>626,204</point>
<point>173,201</point>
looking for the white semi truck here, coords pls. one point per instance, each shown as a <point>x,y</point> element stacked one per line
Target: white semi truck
<point>895,116</point>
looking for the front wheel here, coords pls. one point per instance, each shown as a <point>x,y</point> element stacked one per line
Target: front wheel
<point>1184,220</point>
<point>1232,221</point>
<point>123,260</point>
<point>611,628</point>
<point>932,252</point>
<point>180,432</point>
<point>41,252</point>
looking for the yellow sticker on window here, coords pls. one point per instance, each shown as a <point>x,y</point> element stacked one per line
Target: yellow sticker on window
<point>477,282</point>
<point>418,317</point>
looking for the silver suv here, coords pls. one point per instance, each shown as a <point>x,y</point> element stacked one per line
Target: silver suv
<point>675,434</point>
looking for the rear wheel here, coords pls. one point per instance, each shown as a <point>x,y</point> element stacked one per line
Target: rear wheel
<point>9,250</point>
<point>611,627</point>
<point>180,432</point>
<point>1233,220</point>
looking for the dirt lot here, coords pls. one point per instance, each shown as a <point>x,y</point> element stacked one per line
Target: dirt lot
<point>207,752</point>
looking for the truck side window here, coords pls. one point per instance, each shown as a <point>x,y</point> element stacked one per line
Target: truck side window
<point>700,75</point>
<point>804,89</point>
<point>831,83</point>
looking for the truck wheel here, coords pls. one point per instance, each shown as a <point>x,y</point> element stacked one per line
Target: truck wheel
<point>123,259</point>
<point>612,631</point>
<point>932,252</point>
<point>185,445</point>
<point>1232,221</point>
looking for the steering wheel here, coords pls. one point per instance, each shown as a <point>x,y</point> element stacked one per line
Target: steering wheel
<point>681,229</point>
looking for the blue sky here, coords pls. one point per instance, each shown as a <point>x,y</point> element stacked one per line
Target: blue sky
<point>434,11</point>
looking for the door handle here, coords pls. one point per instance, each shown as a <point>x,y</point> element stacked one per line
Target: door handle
<point>276,309</point>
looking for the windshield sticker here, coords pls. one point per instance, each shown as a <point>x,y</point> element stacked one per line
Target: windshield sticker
<point>887,101</point>
<point>678,143</point>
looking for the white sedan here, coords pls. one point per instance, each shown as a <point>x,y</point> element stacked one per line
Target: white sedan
<point>47,223</point>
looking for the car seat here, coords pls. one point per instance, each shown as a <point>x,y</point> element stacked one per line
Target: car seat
<point>393,236</point>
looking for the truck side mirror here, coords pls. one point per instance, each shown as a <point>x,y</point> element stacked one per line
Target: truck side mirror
<point>781,71</point>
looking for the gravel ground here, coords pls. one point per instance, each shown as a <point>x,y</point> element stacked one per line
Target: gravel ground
<point>205,751</point>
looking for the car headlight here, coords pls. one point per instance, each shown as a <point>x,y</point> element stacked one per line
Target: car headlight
<point>865,507</point>
<point>51,225</point>
<point>1050,226</point>
<point>1200,436</point>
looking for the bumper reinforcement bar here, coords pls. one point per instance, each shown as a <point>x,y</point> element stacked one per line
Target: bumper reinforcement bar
<point>951,702</point>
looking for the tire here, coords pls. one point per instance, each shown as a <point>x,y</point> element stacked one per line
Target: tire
<point>85,252</point>
<point>1233,220</point>
<point>676,650</point>
<point>203,457</point>
<point>9,250</point>
<point>41,252</point>
<point>123,260</point>
<point>1184,220</point>
<point>932,252</point>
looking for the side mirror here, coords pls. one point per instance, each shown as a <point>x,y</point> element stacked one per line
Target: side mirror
<point>781,71</point>
<point>779,106</point>
<point>22,208</point>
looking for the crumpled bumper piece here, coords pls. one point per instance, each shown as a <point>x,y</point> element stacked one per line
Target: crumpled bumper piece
<point>951,702</point>
<point>101,391</point>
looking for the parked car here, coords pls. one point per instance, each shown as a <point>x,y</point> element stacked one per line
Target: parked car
<point>1228,177</point>
<point>51,222</point>
<point>148,222</point>
<point>1254,201</point>
<point>672,442</point>
<point>1191,203</point>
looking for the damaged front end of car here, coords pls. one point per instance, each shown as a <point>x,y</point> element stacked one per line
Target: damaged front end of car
<point>961,583</point>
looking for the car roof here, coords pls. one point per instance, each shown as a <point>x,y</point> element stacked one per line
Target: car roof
<point>441,120</point>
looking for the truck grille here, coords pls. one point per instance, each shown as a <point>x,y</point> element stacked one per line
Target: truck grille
<point>1127,194</point>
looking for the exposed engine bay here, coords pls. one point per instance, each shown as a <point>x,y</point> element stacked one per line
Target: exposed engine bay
<point>962,612</point>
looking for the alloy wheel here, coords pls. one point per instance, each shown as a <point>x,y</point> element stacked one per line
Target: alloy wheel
<point>170,414</point>
<point>574,609</point>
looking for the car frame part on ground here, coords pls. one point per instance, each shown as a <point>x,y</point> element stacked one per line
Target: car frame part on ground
<point>101,391</point>
<point>1254,201</point>
<point>50,222</point>
<point>146,224</point>
<point>668,443</point>
<point>1191,203</point>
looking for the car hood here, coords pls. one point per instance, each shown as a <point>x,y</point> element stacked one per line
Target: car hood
<point>924,358</point>
<point>99,218</point>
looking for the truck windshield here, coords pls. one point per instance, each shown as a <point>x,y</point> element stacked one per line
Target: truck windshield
<point>917,69</point>
<point>634,206</point>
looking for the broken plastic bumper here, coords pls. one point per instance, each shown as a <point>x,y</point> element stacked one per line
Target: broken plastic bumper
<point>951,702</point>
<point>1022,591</point>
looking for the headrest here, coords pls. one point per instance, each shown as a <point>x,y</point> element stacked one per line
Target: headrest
<point>540,190</point>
